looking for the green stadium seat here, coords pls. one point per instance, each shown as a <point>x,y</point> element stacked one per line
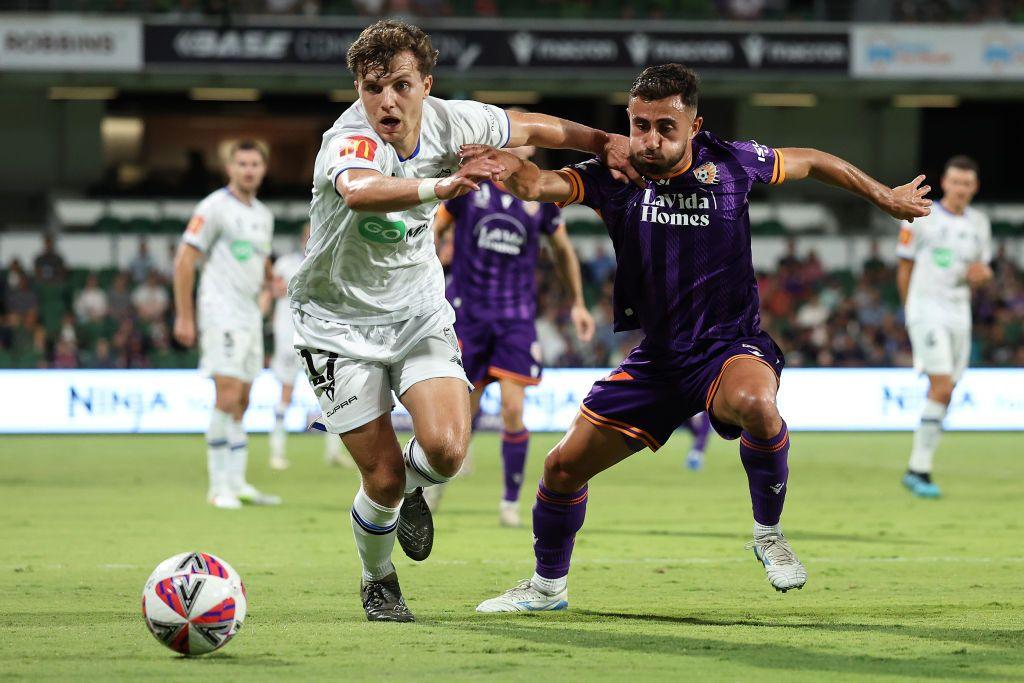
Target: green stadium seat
<point>107,275</point>
<point>76,279</point>
<point>170,226</point>
<point>109,225</point>
<point>139,225</point>
<point>768,228</point>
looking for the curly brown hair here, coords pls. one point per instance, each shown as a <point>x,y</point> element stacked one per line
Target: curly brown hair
<point>379,43</point>
<point>666,80</point>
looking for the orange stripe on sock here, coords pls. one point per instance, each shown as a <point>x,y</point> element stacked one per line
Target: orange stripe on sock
<point>518,438</point>
<point>566,503</point>
<point>765,449</point>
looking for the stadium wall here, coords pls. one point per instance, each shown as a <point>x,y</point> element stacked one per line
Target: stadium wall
<point>179,401</point>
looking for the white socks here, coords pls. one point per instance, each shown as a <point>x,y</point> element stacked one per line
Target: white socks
<point>217,452</point>
<point>549,586</point>
<point>927,437</point>
<point>238,456</point>
<point>762,530</point>
<point>418,471</point>
<point>279,435</point>
<point>373,526</point>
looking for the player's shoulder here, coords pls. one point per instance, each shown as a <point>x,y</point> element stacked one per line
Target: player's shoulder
<point>977,216</point>
<point>353,122</point>
<point>707,144</point>
<point>213,201</point>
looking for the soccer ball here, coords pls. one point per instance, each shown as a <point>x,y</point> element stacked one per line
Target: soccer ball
<point>194,603</point>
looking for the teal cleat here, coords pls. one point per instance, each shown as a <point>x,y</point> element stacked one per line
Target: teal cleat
<point>919,486</point>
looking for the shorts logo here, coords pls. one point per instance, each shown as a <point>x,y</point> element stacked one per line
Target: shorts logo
<point>449,335</point>
<point>458,361</point>
<point>706,173</point>
<point>359,147</point>
<point>242,250</point>
<point>347,402</point>
<point>753,350</point>
<point>321,382</point>
<point>381,230</point>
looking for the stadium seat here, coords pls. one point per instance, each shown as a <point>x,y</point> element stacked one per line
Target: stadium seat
<point>109,225</point>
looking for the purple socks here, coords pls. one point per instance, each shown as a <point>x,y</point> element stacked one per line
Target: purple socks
<point>556,519</point>
<point>766,463</point>
<point>700,426</point>
<point>514,446</point>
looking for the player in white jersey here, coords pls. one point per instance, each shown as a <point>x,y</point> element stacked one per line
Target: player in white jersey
<point>230,232</point>
<point>942,257</point>
<point>371,318</point>
<point>285,362</point>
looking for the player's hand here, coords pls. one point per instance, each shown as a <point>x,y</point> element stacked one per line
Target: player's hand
<point>278,287</point>
<point>978,273</point>
<point>583,322</point>
<point>510,162</point>
<point>615,156</point>
<point>908,202</point>
<point>185,331</point>
<point>467,178</point>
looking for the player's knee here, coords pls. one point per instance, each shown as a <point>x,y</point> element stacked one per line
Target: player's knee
<point>941,390</point>
<point>445,450</point>
<point>756,410</point>
<point>560,474</point>
<point>385,481</point>
<point>512,417</point>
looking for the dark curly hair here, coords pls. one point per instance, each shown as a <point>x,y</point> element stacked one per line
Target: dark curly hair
<point>379,43</point>
<point>666,80</point>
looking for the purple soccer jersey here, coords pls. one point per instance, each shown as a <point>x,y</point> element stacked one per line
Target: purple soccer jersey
<point>685,277</point>
<point>682,244</point>
<point>497,242</point>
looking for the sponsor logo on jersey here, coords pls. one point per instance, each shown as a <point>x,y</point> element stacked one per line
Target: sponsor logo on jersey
<point>501,233</point>
<point>942,256</point>
<point>906,236</point>
<point>359,147</point>
<point>347,402</point>
<point>242,250</point>
<point>671,208</point>
<point>381,230</point>
<point>706,173</point>
<point>195,225</point>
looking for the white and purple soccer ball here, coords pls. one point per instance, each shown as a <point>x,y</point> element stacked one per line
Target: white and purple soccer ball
<point>194,603</point>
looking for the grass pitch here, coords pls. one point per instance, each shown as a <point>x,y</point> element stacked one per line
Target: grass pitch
<point>899,588</point>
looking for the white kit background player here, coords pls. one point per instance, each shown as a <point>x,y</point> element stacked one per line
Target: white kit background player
<point>370,312</point>
<point>285,362</point>
<point>942,257</point>
<point>230,233</point>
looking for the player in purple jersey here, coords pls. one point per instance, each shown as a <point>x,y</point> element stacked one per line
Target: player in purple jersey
<point>684,277</point>
<point>700,426</point>
<point>492,287</point>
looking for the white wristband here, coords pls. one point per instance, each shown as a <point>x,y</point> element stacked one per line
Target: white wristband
<point>428,190</point>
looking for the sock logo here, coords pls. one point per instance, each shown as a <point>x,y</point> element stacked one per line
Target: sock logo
<point>777,488</point>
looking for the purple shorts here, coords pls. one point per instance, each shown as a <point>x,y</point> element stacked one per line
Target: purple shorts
<point>653,391</point>
<point>499,349</point>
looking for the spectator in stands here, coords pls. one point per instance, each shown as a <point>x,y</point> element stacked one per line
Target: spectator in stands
<point>49,265</point>
<point>91,302</point>
<point>65,355</point>
<point>100,358</point>
<point>19,298</point>
<point>150,299</point>
<point>120,299</point>
<point>142,264</point>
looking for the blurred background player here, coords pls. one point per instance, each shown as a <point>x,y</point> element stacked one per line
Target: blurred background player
<point>230,233</point>
<point>285,362</point>
<point>685,277</point>
<point>492,287</point>
<point>700,426</point>
<point>942,257</point>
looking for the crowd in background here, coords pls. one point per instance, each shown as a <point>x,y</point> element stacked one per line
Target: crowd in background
<point>52,316</point>
<point>791,10</point>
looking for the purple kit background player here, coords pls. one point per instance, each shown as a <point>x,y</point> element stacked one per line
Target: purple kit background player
<point>492,287</point>
<point>700,426</point>
<point>685,277</point>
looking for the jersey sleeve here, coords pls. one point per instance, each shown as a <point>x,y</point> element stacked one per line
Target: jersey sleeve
<point>591,184</point>
<point>986,240</point>
<point>551,218</point>
<point>203,228</point>
<point>762,164</point>
<point>354,149</point>
<point>906,247</point>
<point>475,123</point>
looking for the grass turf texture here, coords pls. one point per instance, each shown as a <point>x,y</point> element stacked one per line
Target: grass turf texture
<point>899,588</point>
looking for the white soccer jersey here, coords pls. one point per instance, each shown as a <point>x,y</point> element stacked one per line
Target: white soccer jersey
<point>285,268</point>
<point>378,268</point>
<point>942,246</point>
<point>235,238</point>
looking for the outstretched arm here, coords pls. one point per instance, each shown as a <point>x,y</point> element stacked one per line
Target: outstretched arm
<point>522,177</point>
<point>369,190</point>
<point>905,202</point>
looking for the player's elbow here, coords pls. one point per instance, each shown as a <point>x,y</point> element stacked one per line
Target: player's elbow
<point>354,197</point>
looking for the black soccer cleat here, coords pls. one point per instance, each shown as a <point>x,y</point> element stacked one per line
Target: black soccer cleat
<point>416,526</point>
<point>383,600</point>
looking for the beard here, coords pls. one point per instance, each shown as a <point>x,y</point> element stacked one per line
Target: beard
<point>652,168</point>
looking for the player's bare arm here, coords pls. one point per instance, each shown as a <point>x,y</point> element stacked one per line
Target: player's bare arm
<point>905,202</point>
<point>904,269</point>
<point>184,280</point>
<point>551,132</point>
<point>978,274</point>
<point>367,190</point>
<point>522,177</point>
<point>568,267</point>
<point>266,297</point>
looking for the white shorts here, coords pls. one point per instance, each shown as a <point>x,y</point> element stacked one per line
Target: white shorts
<point>285,363</point>
<point>939,349</point>
<point>354,369</point>
<point>235,352</point>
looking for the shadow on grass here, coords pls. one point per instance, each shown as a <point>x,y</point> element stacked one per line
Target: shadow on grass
<point>770,656</point>
<point>798,536</point>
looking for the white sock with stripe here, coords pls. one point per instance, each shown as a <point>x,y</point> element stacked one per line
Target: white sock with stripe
<point>238,458</point>
<point>217,450</point>
<point>927,437</point>
<point>373,526</point>
<point>418,472</point>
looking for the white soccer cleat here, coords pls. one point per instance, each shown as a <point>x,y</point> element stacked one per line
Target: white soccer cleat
<point>508,514</point>
<point>525,598</point>
<point>250,495</point>
<point>224,500</point>
<point>279,463</point>
<point>780,563</point>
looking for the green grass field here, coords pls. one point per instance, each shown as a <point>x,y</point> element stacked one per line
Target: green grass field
<point>899,588</point>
